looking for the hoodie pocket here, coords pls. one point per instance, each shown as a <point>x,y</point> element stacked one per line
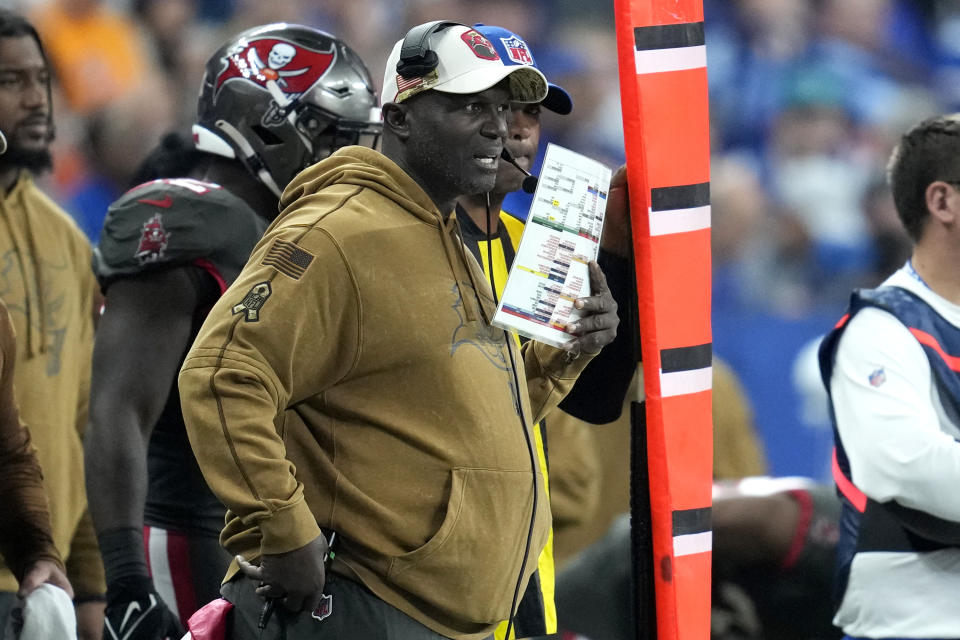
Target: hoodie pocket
<point>468,569</point>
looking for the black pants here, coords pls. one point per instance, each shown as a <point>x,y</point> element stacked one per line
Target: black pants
<point>355,614</point>
<point>8,600</point>
<point>593,589</point>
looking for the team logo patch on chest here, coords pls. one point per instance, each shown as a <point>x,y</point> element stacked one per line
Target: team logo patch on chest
<point>153,240</point>
<point>253,302</point>
<point>878,377</point>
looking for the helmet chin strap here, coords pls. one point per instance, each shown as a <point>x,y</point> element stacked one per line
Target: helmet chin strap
<point>209,142</point>
<point>307,142</point>
<point>250,157</point>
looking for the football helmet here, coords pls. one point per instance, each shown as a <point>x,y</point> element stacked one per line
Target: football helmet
<point>282,96</point>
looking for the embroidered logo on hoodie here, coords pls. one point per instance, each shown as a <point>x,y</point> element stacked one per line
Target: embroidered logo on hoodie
<point>253,302</point>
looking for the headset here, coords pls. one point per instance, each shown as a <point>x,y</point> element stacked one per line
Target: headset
<point>416,58</point>
<point>529,183</point>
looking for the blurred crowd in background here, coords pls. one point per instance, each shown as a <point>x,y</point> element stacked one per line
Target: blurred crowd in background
<point>807,100</point>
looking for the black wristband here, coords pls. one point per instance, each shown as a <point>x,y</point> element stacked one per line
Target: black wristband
<point>125,564</point>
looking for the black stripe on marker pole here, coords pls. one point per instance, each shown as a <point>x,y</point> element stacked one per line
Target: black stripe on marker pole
<point>644,567</point>
<point>689,521</point>
<point>686,196</point>
<point>669,36</point>
<point>686,358</point>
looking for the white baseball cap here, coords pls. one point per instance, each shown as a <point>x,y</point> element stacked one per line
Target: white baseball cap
<point>468,63</point>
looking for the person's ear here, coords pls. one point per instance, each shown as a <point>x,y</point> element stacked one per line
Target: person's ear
<point>943,202</point>
<point>395,119</point>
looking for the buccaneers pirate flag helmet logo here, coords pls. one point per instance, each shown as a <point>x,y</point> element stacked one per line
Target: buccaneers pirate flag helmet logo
<point>285,69</point>
<point>282,96</point>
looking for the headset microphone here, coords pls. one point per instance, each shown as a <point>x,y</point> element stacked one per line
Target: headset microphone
<point>530,182</point>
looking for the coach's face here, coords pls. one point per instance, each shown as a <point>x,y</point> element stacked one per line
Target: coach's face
<point>455,140</point>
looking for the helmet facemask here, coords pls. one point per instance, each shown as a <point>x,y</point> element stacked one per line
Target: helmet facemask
<point>323,132</point>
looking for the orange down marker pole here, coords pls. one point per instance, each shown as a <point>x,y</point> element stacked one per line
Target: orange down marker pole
<point>663,88</point>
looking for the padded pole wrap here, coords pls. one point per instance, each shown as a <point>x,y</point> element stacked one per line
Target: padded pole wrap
<point>663,88</point>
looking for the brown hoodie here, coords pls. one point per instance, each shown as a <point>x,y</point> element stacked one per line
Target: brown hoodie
<point>349,379</point>
<point>25,535</point>
<point>48,286</point>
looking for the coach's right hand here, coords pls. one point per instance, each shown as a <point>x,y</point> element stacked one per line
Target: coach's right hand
<point>295,578</point>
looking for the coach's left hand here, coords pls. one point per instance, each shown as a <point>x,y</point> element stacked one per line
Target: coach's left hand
<point>598,326</point>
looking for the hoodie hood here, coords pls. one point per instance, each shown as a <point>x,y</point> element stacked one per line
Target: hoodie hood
<point>363,167</point>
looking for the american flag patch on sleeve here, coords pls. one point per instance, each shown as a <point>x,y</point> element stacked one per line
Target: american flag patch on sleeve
<point>288,259</point>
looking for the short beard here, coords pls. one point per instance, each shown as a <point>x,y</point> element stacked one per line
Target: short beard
<point>35,161</point>
<point>445,179</point>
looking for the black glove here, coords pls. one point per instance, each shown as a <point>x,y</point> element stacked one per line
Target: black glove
<point>135,610</point>
<point>144,618</point>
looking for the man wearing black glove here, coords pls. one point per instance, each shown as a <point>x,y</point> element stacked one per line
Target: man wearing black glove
<point>134,608</point>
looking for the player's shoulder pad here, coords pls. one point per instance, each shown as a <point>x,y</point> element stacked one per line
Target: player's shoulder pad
<point>174,222</point>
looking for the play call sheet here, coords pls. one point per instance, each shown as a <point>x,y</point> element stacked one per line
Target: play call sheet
<point>562,235</point>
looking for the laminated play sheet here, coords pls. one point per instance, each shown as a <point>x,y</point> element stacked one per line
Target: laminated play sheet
<point>561,236</point>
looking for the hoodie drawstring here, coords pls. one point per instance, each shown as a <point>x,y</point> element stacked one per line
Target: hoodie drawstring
<point>34,307</point>
<point>451,230</point>
<point>41,302</point>
<point>447,230</point>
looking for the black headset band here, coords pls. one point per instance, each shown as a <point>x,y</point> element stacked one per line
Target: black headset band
<point>416,59</point>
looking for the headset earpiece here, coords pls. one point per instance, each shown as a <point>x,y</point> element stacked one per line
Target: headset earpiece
<point>416,59</point>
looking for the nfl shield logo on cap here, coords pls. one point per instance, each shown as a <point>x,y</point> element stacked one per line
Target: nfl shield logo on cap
<point>517,50</point>
<point>466,61</point>
<point>514,51</point>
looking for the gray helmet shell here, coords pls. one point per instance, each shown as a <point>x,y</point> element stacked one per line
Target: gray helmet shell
<point>282,96</point>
